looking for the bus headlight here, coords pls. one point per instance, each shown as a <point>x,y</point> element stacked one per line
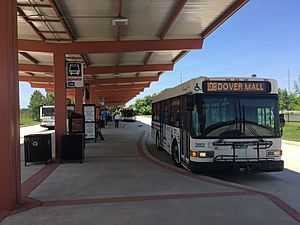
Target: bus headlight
<point>206,154</point>
<point>274,153</point>
<point>202,154</point>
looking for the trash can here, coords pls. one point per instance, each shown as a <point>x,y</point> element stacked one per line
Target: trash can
<point>37,148</point>
<point>72,147</point>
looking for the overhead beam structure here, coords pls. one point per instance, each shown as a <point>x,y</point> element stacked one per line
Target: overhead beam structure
<point>97,88</point>
<point>111,46</point>
<point>101,69</point>
<point>94,81</point>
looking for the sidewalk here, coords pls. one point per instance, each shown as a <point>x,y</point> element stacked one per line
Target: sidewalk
<point>119,183</point>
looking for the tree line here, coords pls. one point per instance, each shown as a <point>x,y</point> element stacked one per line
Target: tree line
<point>288,101</point>
<point>37,100</point>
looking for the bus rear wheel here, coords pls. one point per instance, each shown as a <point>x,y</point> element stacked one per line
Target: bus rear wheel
<point>175,154</point>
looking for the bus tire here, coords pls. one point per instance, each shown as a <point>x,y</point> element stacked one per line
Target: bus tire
<point>175,154</point>
<point>158,147</point>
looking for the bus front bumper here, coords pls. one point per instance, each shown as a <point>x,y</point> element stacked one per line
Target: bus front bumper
<point>256,166</point>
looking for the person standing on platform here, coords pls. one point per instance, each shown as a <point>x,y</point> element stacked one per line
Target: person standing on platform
<point>103,118</point>
<point>117,120</point>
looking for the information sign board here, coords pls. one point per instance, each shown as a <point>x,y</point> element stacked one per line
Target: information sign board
<point>74,73</point>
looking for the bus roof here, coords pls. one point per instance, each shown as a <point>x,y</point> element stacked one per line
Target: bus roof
<point>200,85</point>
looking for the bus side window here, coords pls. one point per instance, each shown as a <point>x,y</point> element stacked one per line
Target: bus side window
<point>175,114</point>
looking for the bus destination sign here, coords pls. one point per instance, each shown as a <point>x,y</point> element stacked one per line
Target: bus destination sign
<point>237,86</point>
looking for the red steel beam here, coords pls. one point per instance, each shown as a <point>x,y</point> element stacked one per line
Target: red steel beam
<point>35,68</point>
<point>111,46</point>
<point>52,31</point>
<point>176,10</point>
<point>123,80</point>
<point>29,57</point>
<point>125,90</point>
<point>129,68</point>
<point>222,18</point>
<point>44,20</point>
<point>36,79</point>
<point>120,87</point>
<point>179,56</point>
<point>127,87</point>
<point>34,5</point>
<point>69,91</point>
<point>92,82</point>
<point>118,93</point>
<point>41,85</point>
<point>112,100</point>
<point>102,69</point>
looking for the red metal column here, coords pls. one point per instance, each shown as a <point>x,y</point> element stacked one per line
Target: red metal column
<point>78,100</point>
<point>10,178</point>
<point>92,95</point>
<point>60,100</point>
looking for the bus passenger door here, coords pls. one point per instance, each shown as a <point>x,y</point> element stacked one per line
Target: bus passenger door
<point>184,131</point>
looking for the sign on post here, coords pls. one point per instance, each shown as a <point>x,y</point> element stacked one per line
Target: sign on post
<point>74,72</point>
<point>89,112</point>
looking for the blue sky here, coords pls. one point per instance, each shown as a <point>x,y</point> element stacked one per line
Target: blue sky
<point>262,38</point>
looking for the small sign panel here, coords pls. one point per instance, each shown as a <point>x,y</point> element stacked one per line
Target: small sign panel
<point>74,72</point>
<point>237,86</point>
<point>89,113</point>
<point>101,100</point>
<point>90,130</point>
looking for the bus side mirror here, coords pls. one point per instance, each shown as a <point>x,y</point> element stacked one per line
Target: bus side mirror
<point>281,120</point>
<point>189,103</point>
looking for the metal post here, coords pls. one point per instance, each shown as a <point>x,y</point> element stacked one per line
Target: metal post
<point>78,100</point>
<point>10,185</point>
<point>60,100</point>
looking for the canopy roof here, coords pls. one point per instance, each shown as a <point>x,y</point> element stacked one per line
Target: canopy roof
<point>131,56</point>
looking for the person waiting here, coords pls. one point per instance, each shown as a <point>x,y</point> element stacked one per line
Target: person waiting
<point>117,120</point>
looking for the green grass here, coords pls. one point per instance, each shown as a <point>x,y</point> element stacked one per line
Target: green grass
<point>24,122</point>
<point>291,131</point>
<point>148,116</point>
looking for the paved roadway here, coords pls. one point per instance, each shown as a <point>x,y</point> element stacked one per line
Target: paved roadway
<point>31,130</point>
<point>121,183</point>
<point>285,184</point>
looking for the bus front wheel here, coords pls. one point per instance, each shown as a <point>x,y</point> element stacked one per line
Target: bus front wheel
<point>175,154</point>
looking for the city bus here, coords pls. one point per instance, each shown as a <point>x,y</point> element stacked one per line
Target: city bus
<point>211,124</point>
<point>128,114</point>
<point>47,118</point>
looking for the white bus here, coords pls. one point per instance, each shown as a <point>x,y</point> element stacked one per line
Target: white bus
<point>128,114</point>
<point>47,115</point>
<point>47,118</point>
<point>208,124</point>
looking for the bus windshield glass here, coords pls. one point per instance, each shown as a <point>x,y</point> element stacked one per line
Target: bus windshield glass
<point>128,113</point>
<point>235,116</point>
<point>48,111</point>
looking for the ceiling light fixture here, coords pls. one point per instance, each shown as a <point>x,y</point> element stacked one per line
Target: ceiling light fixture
<point>120,21</point>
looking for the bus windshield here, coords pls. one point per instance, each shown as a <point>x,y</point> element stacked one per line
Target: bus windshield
<point>128,113</point>
<point>235,116</point>
<point>48,111</point>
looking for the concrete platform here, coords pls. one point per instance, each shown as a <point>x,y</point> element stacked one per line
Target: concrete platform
<point>121,183</point>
